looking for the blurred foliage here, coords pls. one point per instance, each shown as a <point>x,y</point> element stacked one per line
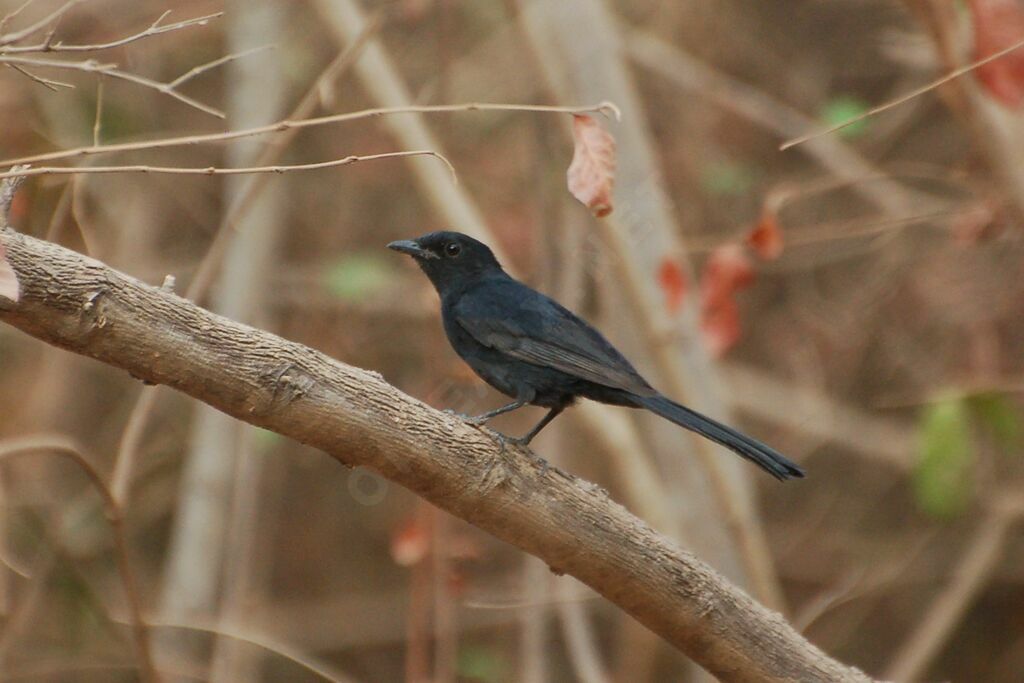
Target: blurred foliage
<point>942,480</point>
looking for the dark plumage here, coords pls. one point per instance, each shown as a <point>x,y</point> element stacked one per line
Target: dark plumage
<point>533,349</point>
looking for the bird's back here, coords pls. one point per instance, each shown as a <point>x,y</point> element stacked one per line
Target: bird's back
<point>509,317</point>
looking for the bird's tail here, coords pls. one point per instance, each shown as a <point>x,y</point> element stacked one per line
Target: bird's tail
<point>767,458</point>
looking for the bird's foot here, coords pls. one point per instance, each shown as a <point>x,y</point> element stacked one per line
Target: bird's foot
<point>523,443</point>
<point>468,419</point>
<point>472,420</point>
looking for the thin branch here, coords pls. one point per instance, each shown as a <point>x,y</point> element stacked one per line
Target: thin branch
<point>55,86</point>
<point>81,305</point>
<point>213,170</point>
<point>64,447</point>
<point>239,633</point>
<point>221,61</point>
<point>606,108</point>
<point>154,29</point>
<point>12,14</point>
<point>956,73</point>
<point>39,25</point>
<point>111,70</point>
<point>98,120</point>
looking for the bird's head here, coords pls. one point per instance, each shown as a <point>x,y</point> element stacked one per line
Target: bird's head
<point>449,259</point>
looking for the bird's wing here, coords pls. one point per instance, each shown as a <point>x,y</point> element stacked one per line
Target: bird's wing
<point>525,324</point>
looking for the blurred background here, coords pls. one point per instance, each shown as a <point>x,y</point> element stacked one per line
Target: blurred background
<point>855,301</point>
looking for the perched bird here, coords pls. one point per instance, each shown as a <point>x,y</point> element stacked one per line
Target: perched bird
<point>531,348</point>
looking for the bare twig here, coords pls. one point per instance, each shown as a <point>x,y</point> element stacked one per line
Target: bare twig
<point>154,29</point>
<point>38,26</point>
<point>605,107</point>
<point>47,83</point>
<point>213,170</point>
<point>111,70</point>
<point>98,121</point>
<point>66,448</point>
<point>956,73</point>
<point>203,68</point>
<point>12,14</point>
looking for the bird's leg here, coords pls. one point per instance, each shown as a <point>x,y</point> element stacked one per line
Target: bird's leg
<point>482,419</point>
<point>552,414</point>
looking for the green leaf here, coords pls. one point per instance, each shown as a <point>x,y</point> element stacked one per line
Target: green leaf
<point>843,108</point>
<point>356,275</point>
<point>1002,417</point>
<point>942,482</point>
<point>727,178</point>
<point>480,664</point>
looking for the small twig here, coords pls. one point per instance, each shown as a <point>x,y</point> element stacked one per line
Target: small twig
<point>99,113</point>
<point>38,26</point>
<point>213,170</point>
<point>93,66</point>
<point>64,447</point>
<point>11,15</point>
<point>286,125</point>
<point>203,68</point>
<point>956,73</point>
<point>55,86</point>
<point>154,29</point>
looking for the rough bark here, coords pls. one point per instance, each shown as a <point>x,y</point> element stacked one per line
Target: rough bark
<point>79,304</point>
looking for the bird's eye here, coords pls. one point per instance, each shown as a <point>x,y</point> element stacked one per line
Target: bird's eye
<point>452,249</point>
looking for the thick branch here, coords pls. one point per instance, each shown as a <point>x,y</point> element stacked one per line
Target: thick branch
<point>79,304</point>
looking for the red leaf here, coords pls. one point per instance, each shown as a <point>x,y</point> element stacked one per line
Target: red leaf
<point>998,24</point>
<point>410,543</point>
<point>591,174</point>
<point>9,287</point>
<point>726,271</point>
<point>766,237</point>
<point>672,280</point>
<point>720,325</point>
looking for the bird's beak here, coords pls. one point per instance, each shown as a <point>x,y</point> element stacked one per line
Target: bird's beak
<point>411,248</point>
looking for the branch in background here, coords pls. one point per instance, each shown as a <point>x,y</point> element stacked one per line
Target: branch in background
<point>212,170</point>
<point>64,447</point>
<point>970,577</point>
<point>154,29</point>
<point>9,55</point>
<point>606,108</point>
<point>32,29</point>
<point>81,305</point>
<point>917,92</point>
<point>124,462</point>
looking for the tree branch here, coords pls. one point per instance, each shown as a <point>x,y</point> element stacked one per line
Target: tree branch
<point>80,304</point>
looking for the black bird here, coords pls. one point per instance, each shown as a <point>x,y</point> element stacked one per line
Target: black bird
<point>533,349</point>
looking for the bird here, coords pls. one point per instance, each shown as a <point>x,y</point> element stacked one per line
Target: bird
<point>534,350</point>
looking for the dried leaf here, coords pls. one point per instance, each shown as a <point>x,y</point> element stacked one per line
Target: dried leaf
<point>766,237</point>
<point>720,325</point>
<point>673,283</point>
<point>410,543</point>
<point>9,287</point>
<point>726,271</point>
<point>591,174</point>
<point>998,24</point>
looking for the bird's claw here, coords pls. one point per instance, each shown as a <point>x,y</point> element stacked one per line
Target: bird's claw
<point>504,441</point>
